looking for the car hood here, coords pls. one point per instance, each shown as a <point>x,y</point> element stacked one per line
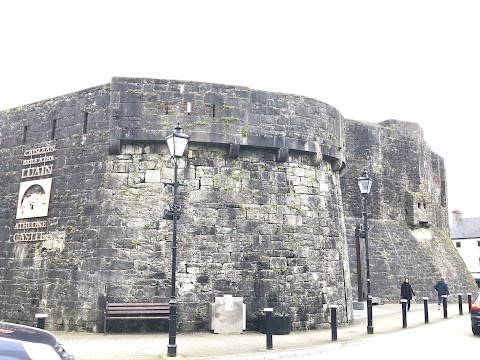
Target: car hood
<point>33,335</point>
<point>27,333</point>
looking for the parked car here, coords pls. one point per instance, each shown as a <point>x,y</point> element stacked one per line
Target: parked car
<point>11,349</point>
<point>20,342</point>
<point>475,316</point>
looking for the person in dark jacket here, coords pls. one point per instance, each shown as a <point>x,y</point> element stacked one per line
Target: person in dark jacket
<point>442,289</point>
<point>406,292</point>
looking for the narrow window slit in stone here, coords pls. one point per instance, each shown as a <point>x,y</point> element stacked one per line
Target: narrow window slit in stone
<point>85,122</point>
<point>54,125</point>
<point>24,140</point>
<point>213,112</point>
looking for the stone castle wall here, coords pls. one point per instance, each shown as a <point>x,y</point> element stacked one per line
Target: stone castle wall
<point>262,212</point>
<point>59,275</point>
<point>407,211</point>
<point>268,211</point>
<point>250,227</point>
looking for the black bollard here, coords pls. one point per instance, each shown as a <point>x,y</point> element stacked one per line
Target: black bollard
<point>41,320</point>
<point>469,296</point>
<point>460,305</point>
<point>444,299</point>
<point>333,321</point>
<point>404,312</point>
<point>425,309</point>
<point>269,327</point>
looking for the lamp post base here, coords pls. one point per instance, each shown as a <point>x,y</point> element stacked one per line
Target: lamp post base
<point>369,315</point>
<point>172,327</point>
<point>172,350</point>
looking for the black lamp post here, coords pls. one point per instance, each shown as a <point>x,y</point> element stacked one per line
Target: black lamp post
<point>365,184</point>
<point>177,143</point>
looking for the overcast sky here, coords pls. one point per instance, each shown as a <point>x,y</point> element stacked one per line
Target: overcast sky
<point>416,61</point>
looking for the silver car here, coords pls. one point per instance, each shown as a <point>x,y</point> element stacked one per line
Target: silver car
<point>20,342</point>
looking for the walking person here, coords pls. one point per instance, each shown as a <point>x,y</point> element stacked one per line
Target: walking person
<point>442,289</point>
<point>406,292</point>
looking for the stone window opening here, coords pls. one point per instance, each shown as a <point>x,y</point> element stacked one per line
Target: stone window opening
<point>85,122</point>
<point>458,244</point>
<point>423,224</point>
<point>213,110</point>
<point>419,205</point>
<point>478,243</point>
<point>166,108</point>
<point>24,140</point>
<point>54,125</point>
<point>424,205</point>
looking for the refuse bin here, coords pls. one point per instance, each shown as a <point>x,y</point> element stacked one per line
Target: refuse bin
<point>41,320</point>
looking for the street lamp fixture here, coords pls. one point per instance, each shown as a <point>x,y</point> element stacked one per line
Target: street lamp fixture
<point>177,143</point>
<point>365,184</point>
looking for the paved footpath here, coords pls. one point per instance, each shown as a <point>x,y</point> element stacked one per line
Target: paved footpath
<point>251,345</point>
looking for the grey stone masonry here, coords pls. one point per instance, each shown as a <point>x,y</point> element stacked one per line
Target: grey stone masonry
<point>58,275</point>
<point>225,115</point>
<point>407,211</point>
<point>270,205</point>
<point>261,218</point>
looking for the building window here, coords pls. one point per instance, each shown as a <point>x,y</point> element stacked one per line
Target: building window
<point>478,243</point>
<point>458,244</point>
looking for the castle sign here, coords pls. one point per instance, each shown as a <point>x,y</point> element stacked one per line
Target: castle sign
<point>34,195</point>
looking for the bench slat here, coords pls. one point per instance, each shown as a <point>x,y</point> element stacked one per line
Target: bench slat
<point>114,312</point>
<point>137,317</point>
<point>137,308</point>
<point>137,304</point>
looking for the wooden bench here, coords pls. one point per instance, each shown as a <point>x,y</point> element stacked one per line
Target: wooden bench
<point>135,311</point>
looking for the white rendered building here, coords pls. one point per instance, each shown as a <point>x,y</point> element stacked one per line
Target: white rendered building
<point>465,234</point>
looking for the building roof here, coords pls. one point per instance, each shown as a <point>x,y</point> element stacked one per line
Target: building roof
<point>466,228</point>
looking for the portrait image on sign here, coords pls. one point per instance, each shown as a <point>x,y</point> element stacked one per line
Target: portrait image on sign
<point>34,198</point>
